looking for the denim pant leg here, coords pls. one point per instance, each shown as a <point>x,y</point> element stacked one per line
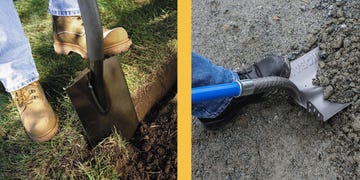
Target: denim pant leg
<point>64,8</point>
<point>17,66</point>
<point>204,72</point>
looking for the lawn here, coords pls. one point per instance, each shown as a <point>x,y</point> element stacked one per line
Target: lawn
<point>152,27</point>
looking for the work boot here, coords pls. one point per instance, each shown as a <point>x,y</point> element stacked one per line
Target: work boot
<point>69,36</point>
<point>270,66</point>
<point>37,116</point>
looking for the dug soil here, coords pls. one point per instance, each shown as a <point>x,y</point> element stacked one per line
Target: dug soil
<point>152,152</point>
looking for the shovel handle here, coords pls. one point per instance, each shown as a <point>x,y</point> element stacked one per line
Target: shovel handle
<point>95,47</point>
<point>245,87</point>
<point>93,29</point>
<point>205,93</point>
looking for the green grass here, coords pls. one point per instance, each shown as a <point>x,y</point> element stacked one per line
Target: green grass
<point>152,26</point>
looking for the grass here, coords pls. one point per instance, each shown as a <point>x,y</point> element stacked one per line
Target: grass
<point>152,26</point>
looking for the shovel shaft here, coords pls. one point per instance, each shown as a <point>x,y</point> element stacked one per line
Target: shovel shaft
<point>205,93</point>
<point>94,42</point>
<point>93,29</point>
<point>99,93</point>
<point>244,88</point>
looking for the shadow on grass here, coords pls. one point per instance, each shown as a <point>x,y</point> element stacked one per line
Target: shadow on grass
<point>56,71</point>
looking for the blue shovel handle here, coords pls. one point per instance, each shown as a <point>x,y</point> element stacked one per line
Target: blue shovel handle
<point>205,93</point>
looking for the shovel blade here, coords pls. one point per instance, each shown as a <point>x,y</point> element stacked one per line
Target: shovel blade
<point>303,71</point>
<point>121,114</point>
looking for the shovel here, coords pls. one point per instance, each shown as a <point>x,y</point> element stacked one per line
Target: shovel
<point>100,94</point>
<point>299,86</point>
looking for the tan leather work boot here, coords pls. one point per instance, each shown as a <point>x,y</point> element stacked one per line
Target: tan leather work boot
<point>37,116</point>
<point>69,36</point>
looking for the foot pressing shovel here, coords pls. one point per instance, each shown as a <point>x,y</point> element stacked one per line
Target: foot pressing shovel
<point>100,94</point>
<point>299,85</point>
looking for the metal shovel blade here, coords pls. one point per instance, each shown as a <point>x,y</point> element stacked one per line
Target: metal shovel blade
<point>303,71</point>
<point>121,113</point>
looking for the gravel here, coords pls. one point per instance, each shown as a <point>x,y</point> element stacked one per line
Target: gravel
<point>339,40</point>
<point>276,139</point>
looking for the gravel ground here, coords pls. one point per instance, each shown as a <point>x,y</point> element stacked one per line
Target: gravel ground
<point>276,139</point>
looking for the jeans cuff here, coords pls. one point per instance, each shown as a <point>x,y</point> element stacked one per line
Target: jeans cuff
<point>235,76</point>
<point>32,78</point>
<point>55,12</point>
<point>213,108</point>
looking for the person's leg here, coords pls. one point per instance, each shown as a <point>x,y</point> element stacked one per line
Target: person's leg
<point>216,113</point>
<point>204,72</point>
<point>20,77</point>
<point>69,33</point>
<point>17,66</point>
<point>64,8</point>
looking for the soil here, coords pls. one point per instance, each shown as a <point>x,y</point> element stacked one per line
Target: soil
<point>153,150</point>
<point>275,139</point>
<point>339,40</point>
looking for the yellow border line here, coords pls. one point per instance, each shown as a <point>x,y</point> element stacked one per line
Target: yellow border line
<point>184,90</point>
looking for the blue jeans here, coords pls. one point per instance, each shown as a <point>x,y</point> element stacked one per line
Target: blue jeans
<point>64,8</point>
<point>17,67</point>
<point>204,72</point>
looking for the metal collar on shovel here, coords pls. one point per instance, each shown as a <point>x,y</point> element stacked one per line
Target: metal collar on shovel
<point>100,94</point>
<point>299,85</point>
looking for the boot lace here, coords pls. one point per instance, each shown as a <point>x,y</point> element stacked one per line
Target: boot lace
<point>26,95</point>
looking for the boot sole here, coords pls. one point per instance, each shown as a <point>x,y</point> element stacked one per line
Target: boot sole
<point>50,134</point>
<point>219,124</point>
<point>117,48</point>
<point>67,48</point>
